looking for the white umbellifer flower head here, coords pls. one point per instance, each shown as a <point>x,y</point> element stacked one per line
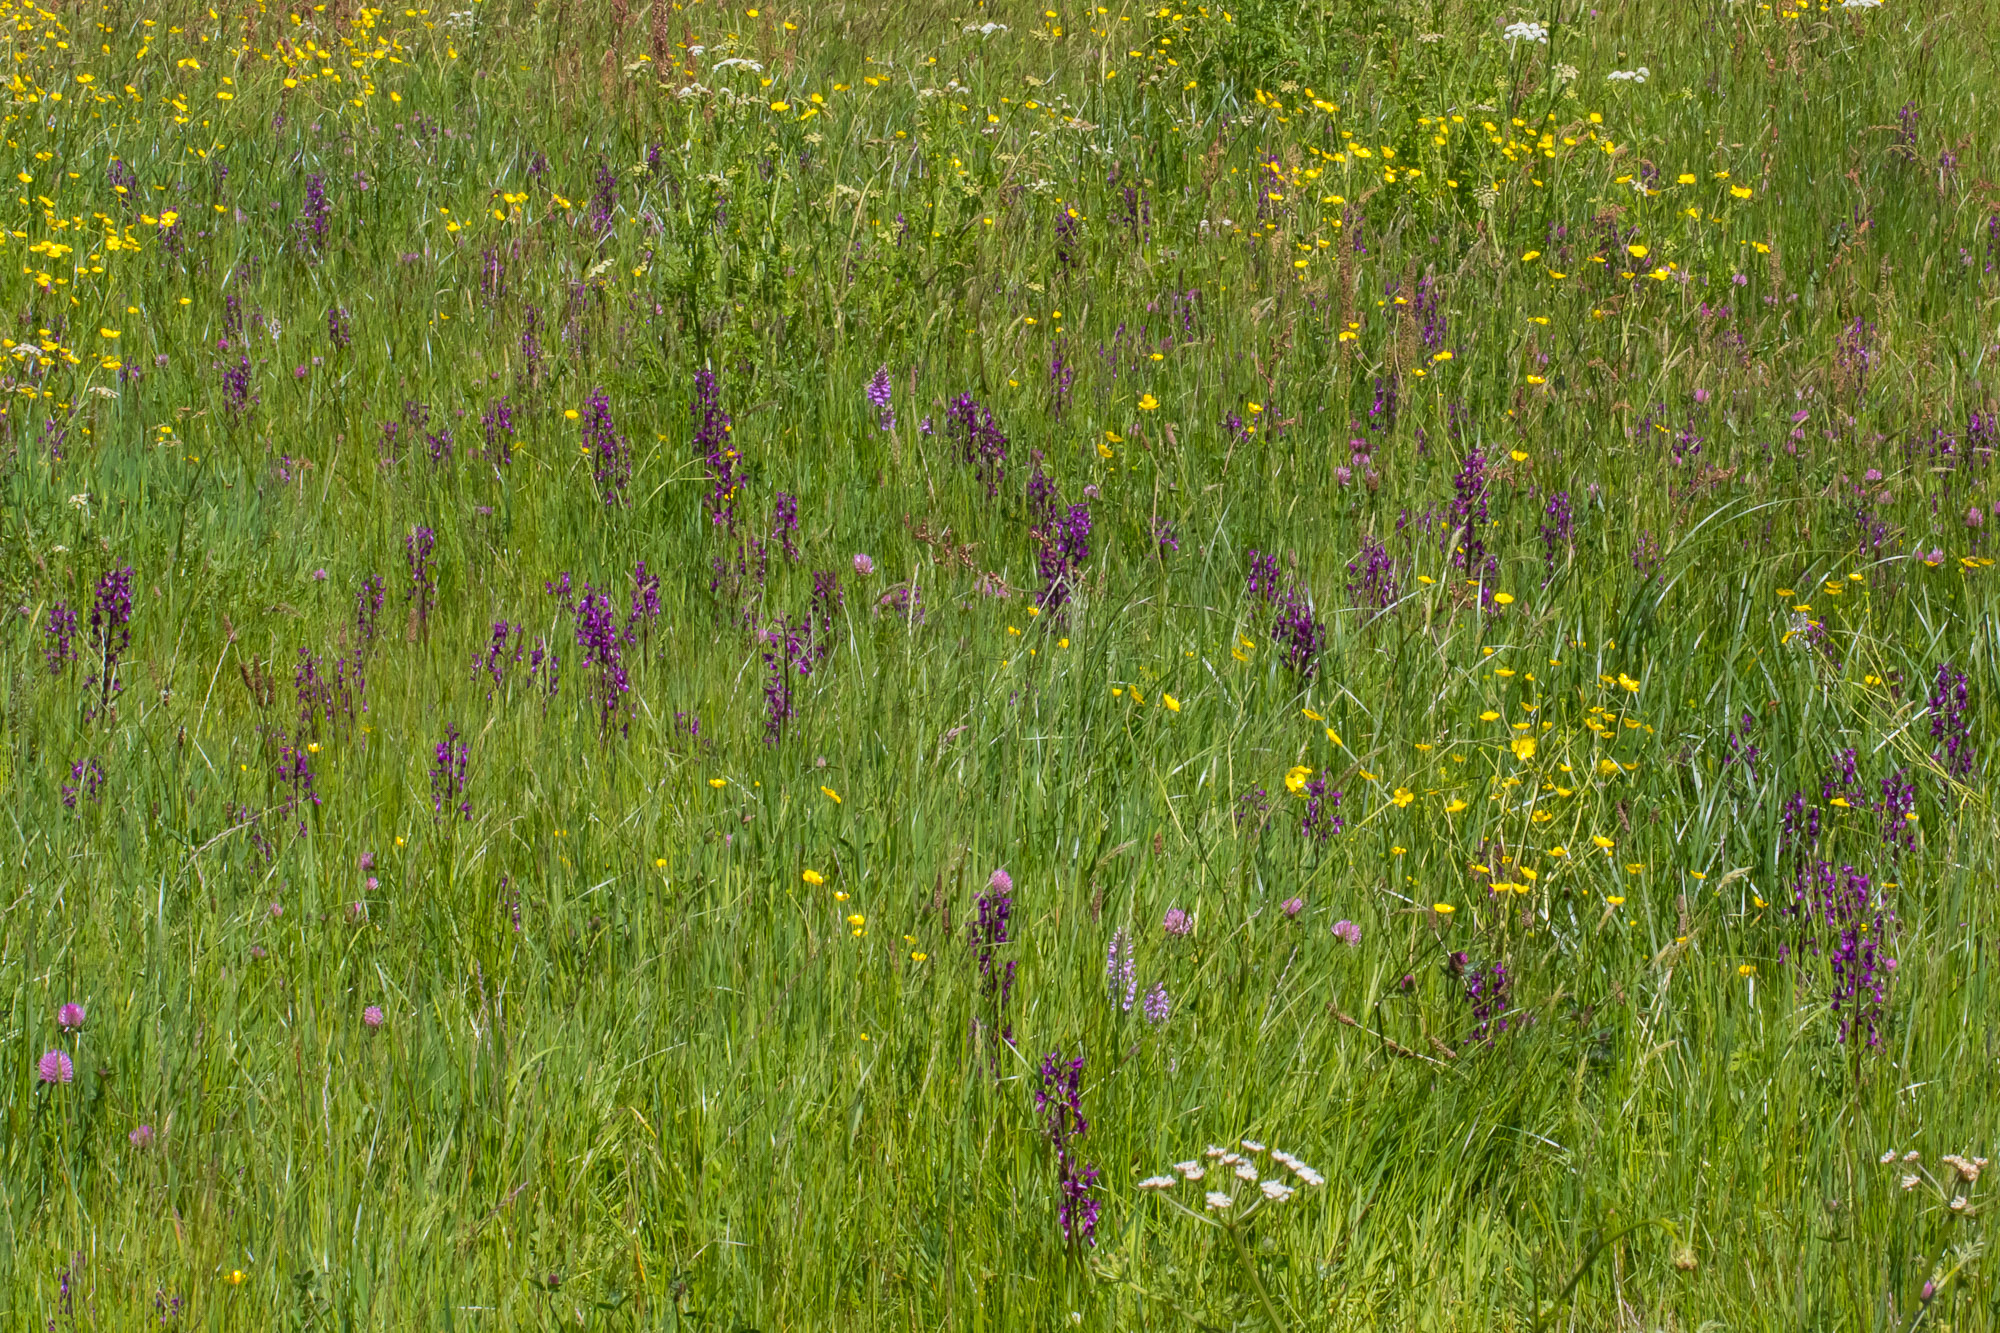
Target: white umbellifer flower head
<point>1251,1145</point>
<point>1217,1200</point>
<point>1639,75</point>
<point>1887,1157</point>
<point>1526,32</point>
<point>1277,1191</point>
<point>1307,1175</point>
<point>1913,1156</point>
<point>1231,1159</point>
<point>1911,1182</point>
<point>1158,1183</point>
<point>738,62</point>
<point>986,29</point>
<point>1860,4</point>
<point>1213,1153</point>
<point>1958,1205</point>
<point>1283,1158</point>
<point>1246,1173</point>
<point>1968,1171</point>
<point>1190,1170</point>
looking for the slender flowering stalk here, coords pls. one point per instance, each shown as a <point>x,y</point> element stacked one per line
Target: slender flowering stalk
<point>367,608</point>
<point>882,398</point>
<point>110,636</point>
<point>611,455</point>
<point>422,590</point>
<point>448,764</point>
<point>991,1028</point>
<point>1951,726</point>
<point>59,636</point>
<point>86,778</point>
<point>712,427</point>
<point>980,442</point>
<point>1371,576</point>
<point>1121,969</point>
<point>1059,1100</point>
<point>1063,551</point>
<point>316,216</point>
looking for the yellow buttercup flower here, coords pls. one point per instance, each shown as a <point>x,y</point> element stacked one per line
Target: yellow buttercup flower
<point>814,878</point>
<point>1173,704</point>
<point>1295,780</point>
<point>1147,402</point>
<point>1606,843</point>
<point>1523,747</point>
<point>831,794</point>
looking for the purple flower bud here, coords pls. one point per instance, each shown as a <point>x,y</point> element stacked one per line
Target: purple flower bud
<point>1178,922</point>
<point>142,1137</point>
<point>372,1016</point>
<point>55,1067</point>
<point>863,565</point>
<point>1001,882</point>
<point>1347,932</point>
<point>70,1016</point>
<point>1292,907</point>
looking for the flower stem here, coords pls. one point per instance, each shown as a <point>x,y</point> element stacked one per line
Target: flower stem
<point>1256,1283</point>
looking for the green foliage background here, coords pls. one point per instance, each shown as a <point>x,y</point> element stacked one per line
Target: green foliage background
<point>635,1069</point>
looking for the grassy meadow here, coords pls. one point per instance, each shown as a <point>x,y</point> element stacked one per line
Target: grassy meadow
<point>1012,666</point>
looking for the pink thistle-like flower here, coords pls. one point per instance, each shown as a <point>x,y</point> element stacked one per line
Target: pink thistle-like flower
<point>55,1067</point>
<point>1177,922</point>
<point>1001,882</point>
<point>372,1016</point>
<point>863,565</point>
<point>142,1137</point>
<point>1347,932</point>
<point>70,1016</point>
<point>1291,907</point>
